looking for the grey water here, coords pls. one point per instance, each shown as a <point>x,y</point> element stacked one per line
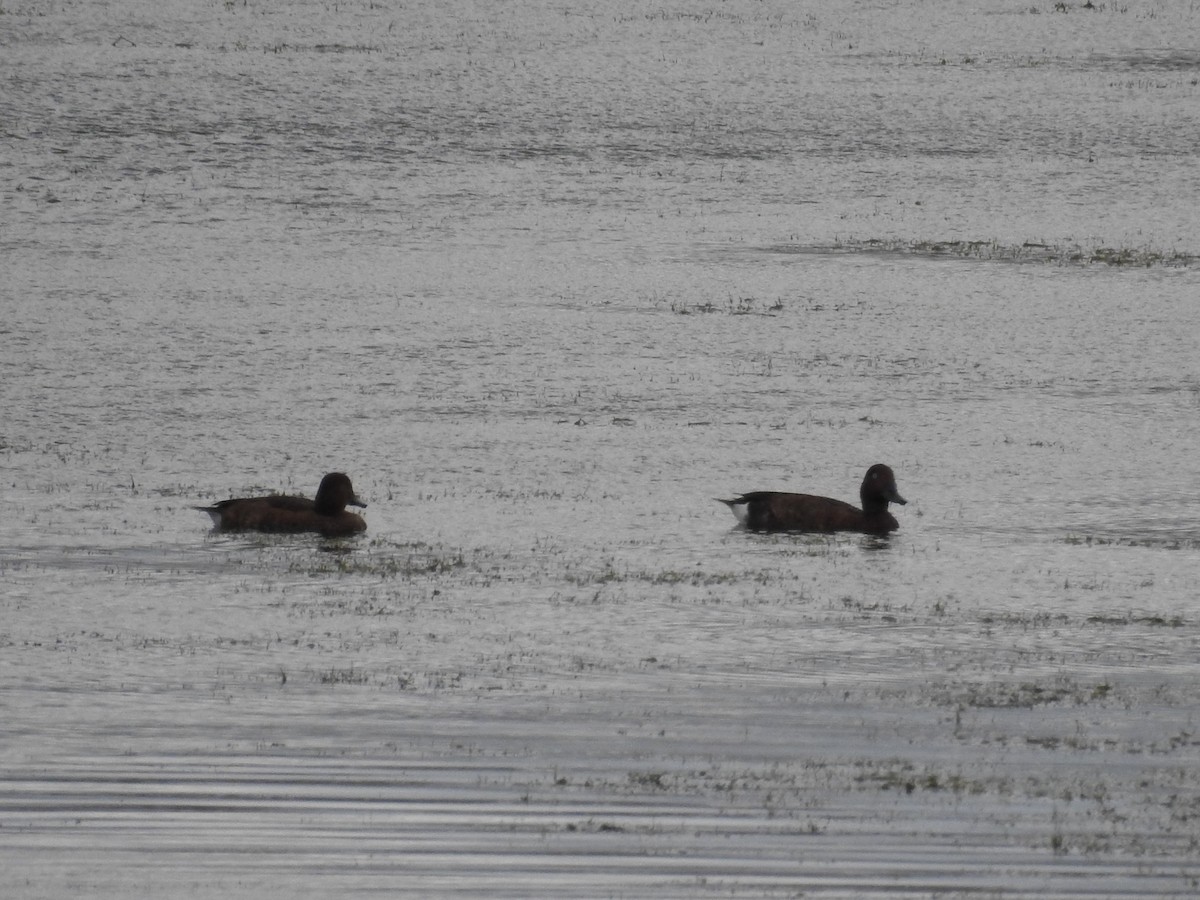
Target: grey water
<point>545,279</point>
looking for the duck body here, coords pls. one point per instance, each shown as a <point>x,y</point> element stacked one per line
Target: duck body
<point>326,514</point>
<point>782,511</point>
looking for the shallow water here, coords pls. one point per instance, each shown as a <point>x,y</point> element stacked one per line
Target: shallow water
<point>544,282</point>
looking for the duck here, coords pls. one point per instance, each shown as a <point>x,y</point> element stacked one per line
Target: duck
<point>326,515</point>
<point>781,511</point>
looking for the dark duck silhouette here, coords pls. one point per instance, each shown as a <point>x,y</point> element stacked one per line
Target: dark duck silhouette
<point>780,511</point>
<point>326,514</point>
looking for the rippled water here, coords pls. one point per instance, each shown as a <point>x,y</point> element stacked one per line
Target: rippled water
<point>544,281</point>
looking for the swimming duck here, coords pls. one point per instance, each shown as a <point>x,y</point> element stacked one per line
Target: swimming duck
<point>326,514</point>
<point>779,511</point>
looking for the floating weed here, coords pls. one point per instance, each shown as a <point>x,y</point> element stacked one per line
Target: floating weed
<point>347,675</point>
<point>609,574</point>
<point>652,780</point>
<point>994,251</point>
<point>1019,695</point>
<point>591,826</point>
<point>1071,743</point>
<point>1151,621</point>
<point>1158,542</point>
<point>1026,619</point>
<point>321,48</point>
<point>903,776</point>
<point>869,610</point>
<point>733,306</point>
<point>396,561</point>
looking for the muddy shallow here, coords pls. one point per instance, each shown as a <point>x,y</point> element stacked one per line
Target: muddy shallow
<point>545,282</point>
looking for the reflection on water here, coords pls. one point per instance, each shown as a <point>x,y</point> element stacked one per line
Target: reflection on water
<point>544,281</point>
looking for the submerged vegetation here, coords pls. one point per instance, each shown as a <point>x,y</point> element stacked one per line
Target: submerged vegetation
<point>385,559</point>
<point>1163,542</point>
<point>733,306</point>
<point>995,251</point>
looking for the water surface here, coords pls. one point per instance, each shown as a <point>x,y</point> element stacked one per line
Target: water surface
<point>545,281</point>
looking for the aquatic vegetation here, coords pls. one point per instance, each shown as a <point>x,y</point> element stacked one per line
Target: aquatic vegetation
<point>347,675</point>
<point>1151,621</point>
<point>384,559</point>
<point>900,775</point>
<point>999,694</point>
<point>995,251</point>
<point>321,48</point>
<point>1162,542</point>
<point>733,306</point>
<point>610,573</point>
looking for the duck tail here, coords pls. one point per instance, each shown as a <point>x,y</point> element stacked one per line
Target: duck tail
<point>739,506</point>
<point>214,513</point>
